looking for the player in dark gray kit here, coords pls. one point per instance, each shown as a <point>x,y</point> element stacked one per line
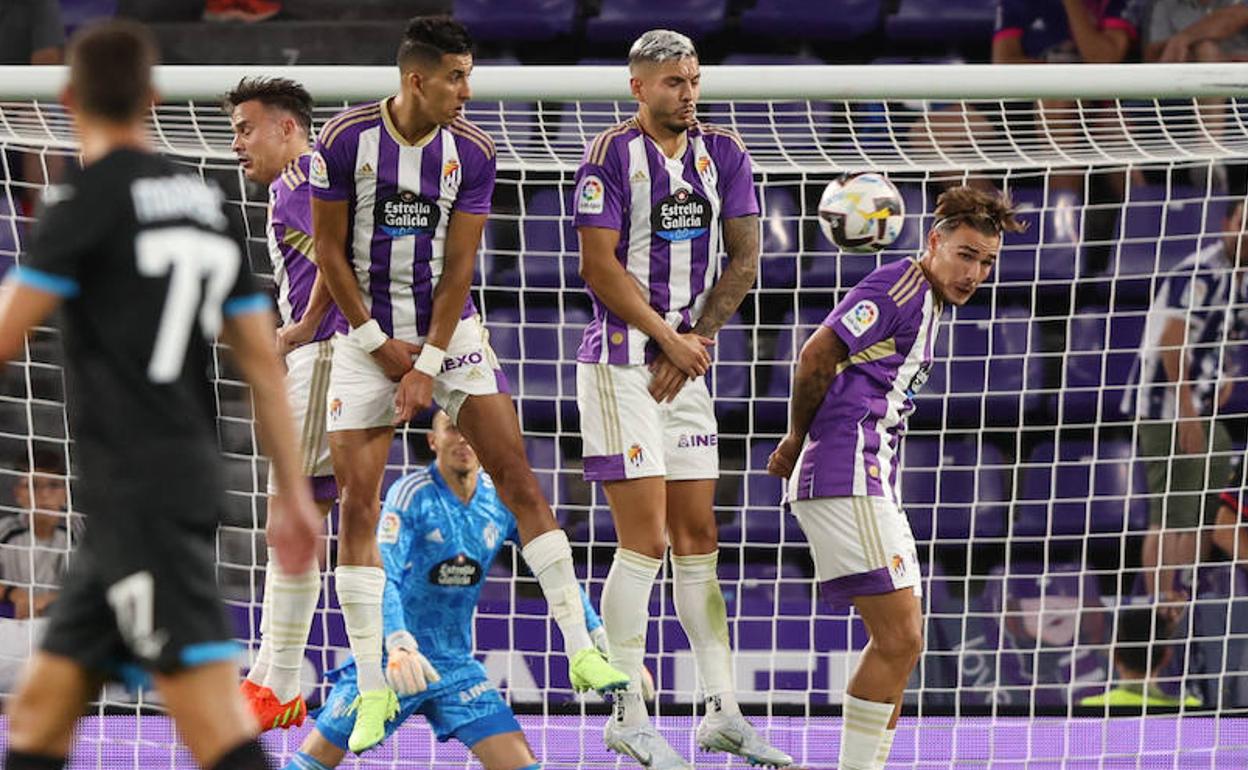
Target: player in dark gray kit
<point>149,268</point>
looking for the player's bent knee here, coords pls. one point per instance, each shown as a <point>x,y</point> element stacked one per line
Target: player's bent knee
<point>900,643</point>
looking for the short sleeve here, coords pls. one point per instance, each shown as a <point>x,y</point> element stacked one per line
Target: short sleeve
<point>599,199</point>
<point>1116,17</point>
<point>68,229</point>
<point>737,195</point>
<point>865,316</point>
<point>477,189</point>
<point>293,207</point>
<point>331,175</point>
<point>1012,18</point>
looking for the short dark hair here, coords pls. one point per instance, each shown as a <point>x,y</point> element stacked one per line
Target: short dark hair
<point>110,69</point>
<point>429,38</point>
<point>989,213</point>
<point>45,460</point>
<point>282,93</point>
<point>1139,644</point>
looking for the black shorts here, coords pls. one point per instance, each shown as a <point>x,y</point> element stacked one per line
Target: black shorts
<point>141,589</point>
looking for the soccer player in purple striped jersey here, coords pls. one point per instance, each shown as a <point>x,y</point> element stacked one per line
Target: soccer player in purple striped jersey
<point>854,388</point>
<point>659,197</point>
<point>401,190</point>
<point>272,120</point>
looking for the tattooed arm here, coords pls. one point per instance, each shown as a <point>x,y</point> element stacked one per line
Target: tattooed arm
<point>741,243</point>
<point>816,366</point>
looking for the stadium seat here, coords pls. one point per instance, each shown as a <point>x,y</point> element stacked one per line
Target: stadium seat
<point>1098,366</point>
<point>944,20</point>
<point>781,237</point>
<point>1084,489</point>
<point>954,489</point>
<point>623,20</point>
<point>549,249</point>
<point>850,20</point>
<point>516,20</point>
<point>985,368</point>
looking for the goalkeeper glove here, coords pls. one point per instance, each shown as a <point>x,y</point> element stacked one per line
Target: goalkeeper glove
<point>408,671</point>
<point>599,637</point>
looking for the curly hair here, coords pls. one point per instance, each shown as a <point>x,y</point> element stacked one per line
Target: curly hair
<point>988,213</point>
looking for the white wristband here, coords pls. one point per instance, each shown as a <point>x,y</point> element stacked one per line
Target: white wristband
<point>368,335</point>
<point>430,360</point>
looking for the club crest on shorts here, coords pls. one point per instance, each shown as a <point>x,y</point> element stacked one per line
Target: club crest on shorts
<point>335,409</point>
<point>898,565</point>
<point>635,456</point>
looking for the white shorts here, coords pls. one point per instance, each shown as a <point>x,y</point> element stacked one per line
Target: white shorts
<point>861,546</point>
<point>629,435</point>
<point>361,396</point>
<point>307,382</point>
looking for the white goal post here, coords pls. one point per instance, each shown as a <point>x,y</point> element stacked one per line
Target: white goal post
<point>1023,477</point>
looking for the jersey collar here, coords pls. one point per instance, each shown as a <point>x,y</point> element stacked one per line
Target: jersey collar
<point>394,132</point>
<point>445,490</point>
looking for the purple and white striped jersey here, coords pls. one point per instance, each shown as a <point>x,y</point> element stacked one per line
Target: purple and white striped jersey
<point>401,197</point>
<point>290,248</point>
<point>668,213</point>
<point>889,323</point>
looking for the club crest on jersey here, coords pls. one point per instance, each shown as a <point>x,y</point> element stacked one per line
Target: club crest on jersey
<point>861,317</point>
<point>318,172</point>
<point>459,571</point>
<point>406,213</point>
<point>489,535</point>
<point>450,167</point>
<point>388,528</point>
<point>681,216</point>
<point>703,163</point>
<point>592,196</point>
<point>635,456</point>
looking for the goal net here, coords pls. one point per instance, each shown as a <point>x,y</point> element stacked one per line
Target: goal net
<point>1024,475</point>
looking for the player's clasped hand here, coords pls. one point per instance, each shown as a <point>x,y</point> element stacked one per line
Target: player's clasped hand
<point>415,393</point>
<point>666,379</point>
<point>408,671</point>
<point>784,458</point>
<point>688,352</point>
<point>292,335</point>
<point>395,358</point>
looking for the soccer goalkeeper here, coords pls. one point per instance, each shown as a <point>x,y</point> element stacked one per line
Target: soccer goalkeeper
<point>440,529</point>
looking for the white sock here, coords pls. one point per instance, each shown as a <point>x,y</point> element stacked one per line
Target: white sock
<point>886,745</point>
<point>625,611</point>
<point>260,669</point>
<point>704,616</point>
<point>630,709</point>
<point>549,556</point>
<point>289,619</point>
<point>359,593</point>
<point>863,725</point>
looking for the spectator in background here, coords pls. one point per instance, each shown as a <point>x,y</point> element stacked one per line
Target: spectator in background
<point>1192,350</point>
<point>34,545</point>
<point>1140,655</point>
<point>1067,32</point>
<point>241,10</point>
<point>1192,30</point>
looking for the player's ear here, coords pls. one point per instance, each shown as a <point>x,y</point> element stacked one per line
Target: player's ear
<point>634,85</point>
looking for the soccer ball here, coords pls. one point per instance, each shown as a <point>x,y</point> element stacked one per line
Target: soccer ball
<point>862,213</point>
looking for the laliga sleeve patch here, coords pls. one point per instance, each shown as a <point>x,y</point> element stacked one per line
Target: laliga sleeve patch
<point>861,317</point>
<point>318,172</point>
<point>591,198</point>
<point>388,528</point>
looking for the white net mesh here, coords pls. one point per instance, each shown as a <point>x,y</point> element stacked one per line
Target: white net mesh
<point>1022,479</point>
